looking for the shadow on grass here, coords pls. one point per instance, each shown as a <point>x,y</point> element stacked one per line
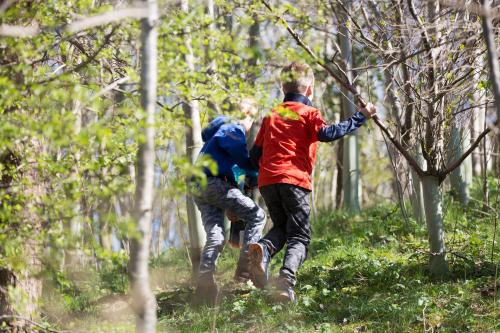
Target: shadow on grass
<point>176,300</point>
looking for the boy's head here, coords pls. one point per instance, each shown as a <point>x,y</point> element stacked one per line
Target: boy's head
<point>248,106</point>
<point>297,77</point>
<point>245,107</point>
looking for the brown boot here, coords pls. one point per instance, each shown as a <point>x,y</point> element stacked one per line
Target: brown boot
<point>259,264</point>
<point>206,293</point>
<point>285,295</point>
<point>242,273</point>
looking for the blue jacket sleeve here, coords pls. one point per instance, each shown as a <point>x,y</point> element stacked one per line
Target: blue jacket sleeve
<point>255,155</point>
<point>234,143</point>
<point>336,131</point>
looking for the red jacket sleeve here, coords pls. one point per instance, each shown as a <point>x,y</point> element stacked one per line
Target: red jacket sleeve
<point>316,122</point>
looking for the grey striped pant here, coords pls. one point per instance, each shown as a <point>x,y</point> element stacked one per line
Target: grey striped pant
<point>212,201</point>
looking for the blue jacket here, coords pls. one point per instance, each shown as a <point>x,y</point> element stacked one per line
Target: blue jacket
<point>225,142</point>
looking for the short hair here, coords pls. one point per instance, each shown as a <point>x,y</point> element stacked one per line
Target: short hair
<point>248,105</point>
<point>296,77</point>
<point>245,104</point>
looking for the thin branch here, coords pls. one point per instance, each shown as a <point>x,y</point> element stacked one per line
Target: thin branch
<point>455,164</point>
<point>90,57</point>
<point>8,30</point>
<point>109,87</point>
<point>34,323</point>
<point>470,107</point>
<point>472,7</point>
<point>301,43</point>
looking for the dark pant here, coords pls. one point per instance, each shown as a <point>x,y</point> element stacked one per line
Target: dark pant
<point>289,208</point>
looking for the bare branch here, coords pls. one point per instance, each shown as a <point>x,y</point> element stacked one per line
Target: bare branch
<point>8,30</point>
<point>456,164</point>
<point>31,322</point>
<point>472,7</point>
<point>90,58</point>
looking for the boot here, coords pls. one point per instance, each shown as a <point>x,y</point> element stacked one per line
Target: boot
<point>242,273</point>
<point>259,264</point>
<point>206,292</point>
<point>285,295</point>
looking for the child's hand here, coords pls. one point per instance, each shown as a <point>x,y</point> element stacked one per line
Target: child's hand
<point>369,110</point>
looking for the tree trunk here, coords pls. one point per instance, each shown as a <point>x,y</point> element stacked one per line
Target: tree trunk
<point>340,168</point>
<point>27,279</point>
<point>494,66</point>
<point>193,146</point>
<point>461,177</point>
<point>417,194</point>
<point>477,127</point>
<point>143,300</point>
<point>350,174</point>
<point>74,256</point>
<point>434,217</point>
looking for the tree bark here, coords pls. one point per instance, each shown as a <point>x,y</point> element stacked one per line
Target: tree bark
<point>25,280</point>
<point>417,196</point>
<point>193,146</point>
<point>434,217</point>
<point>143,300</point>
<point>350,175</point>
<point>461,177</point>
<point>340,170</point>
<point>494,66</point>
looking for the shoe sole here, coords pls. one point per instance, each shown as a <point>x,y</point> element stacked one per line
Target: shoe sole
<point>284,298</point>
<point>240,279</point>
<point>257,273</point>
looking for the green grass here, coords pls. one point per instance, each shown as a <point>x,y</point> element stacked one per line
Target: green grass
<point>364,274</point>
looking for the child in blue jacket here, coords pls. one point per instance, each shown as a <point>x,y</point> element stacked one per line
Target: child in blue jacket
<point>225,143</point>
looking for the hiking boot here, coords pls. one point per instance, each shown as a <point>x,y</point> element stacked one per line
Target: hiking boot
<point>236,231</point>
<point>242,273</point>
<point>259,264</point>
<point>206,293</point>
<point>286,295</point>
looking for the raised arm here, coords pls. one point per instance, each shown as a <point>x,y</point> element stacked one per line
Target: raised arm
<point>327,133</point>
<point>332,132</point>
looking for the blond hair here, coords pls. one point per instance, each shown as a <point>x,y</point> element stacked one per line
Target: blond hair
<point>246,105</point>
<point>296,77</point>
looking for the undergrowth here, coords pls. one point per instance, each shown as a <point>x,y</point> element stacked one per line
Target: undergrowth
<point>366,273</point>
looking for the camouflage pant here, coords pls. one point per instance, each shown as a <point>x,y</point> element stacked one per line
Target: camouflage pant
<point>213,200</point>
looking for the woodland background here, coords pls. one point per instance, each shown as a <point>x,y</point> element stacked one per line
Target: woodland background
<point>101,108</point>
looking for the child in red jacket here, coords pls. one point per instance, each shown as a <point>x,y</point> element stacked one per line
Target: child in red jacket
<point>285,149</point>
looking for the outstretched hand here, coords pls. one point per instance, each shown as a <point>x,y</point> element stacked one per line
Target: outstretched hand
<point>369,110</point>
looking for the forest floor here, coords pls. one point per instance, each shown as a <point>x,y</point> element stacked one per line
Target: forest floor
<point>364,274</point>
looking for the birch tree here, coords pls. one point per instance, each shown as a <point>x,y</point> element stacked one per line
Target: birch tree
<point>193,146</point>
<point>350,150</point>
<point>493,65</point>
<point>143,300</point>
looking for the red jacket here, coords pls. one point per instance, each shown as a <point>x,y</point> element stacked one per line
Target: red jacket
<point>285,146</point>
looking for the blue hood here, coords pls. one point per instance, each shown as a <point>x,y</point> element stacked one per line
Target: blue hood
<point>212,128</point>
<point>225,143</point>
